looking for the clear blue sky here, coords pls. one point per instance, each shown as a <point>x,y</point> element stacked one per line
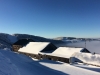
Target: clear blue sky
<point>51,18</point>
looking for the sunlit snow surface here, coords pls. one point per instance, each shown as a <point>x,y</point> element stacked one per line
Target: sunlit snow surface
<point>88,58</point>
<point>18,64</point>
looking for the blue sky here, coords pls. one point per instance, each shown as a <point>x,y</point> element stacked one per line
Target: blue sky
<point>51,18</point>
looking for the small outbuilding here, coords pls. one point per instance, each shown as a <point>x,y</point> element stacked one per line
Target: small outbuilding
<point>20,43</point>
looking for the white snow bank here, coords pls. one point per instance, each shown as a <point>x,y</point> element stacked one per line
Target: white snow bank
<point>24,65</point>
<point>88,58</point>
<point>34,47</point>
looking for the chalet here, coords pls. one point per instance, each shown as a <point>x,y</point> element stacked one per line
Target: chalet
<point>63,54</point>
<point>46,50</point>
<point>34,49</point>
<point>20,43</point>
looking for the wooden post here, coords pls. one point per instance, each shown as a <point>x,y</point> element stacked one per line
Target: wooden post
<point>85,43</point>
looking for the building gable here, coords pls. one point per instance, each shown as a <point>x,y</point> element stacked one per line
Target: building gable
<point>49,48</point>
<point>85,50</point>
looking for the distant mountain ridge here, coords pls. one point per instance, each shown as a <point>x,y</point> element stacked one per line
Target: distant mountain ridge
<point>64,38</point>
<point>73,38</point>
<point>6,40</point>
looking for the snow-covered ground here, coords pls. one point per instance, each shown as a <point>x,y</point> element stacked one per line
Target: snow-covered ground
<point>75,69</point>
<point>18,64</point>
<point>88,58</point>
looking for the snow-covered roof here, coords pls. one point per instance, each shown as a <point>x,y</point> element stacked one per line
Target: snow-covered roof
<point>34,47</point>
<point>66,51</point>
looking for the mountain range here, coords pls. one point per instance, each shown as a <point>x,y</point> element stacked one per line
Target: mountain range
<point>6,40</point>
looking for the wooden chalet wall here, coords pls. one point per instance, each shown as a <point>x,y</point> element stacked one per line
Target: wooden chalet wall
<point>44,56</point>
<point>16,47</point>
<point>56,58</point>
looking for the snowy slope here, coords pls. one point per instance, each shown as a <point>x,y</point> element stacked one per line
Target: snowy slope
<point>12,38</point>
<point>6,40</point>
<point>75,69</point>
<point>7,67</point>
<point>26,66</point>
<point>10,65</point>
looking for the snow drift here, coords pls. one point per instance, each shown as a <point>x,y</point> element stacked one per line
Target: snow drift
<point>88,58</point>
